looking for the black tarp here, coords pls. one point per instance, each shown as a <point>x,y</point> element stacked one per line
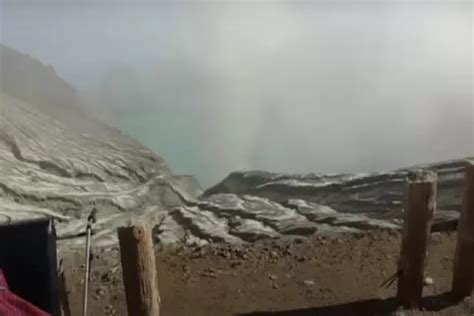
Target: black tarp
<point>28,261</point>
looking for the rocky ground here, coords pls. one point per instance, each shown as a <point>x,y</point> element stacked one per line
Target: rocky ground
<point>321,275</point>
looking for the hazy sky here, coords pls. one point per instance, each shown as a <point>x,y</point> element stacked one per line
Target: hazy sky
<point>298,87</point>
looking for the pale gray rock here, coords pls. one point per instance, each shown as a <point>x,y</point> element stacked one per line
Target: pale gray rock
<point>56,161</point>
<point>231,218</point>
<point>360,201</point>
<point>51,170</point>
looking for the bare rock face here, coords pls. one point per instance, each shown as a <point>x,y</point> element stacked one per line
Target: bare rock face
<point>248,206</point>
<point>49,169</point>
<point>230,218</point>
<point>380,194</point>
<point>289,205</point>
<point>26,78</point>
<point>63,163</point>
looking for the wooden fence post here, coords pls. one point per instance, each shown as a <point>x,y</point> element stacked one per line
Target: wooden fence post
<point>463,273</point>
<point>139,270</point>
<point>420,204</point>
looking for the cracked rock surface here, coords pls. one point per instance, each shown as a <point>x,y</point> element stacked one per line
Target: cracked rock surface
<point>248,206</point>
<point>304,204</point>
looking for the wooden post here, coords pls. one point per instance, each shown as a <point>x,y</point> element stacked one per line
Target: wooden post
<point>139,271</point>
<point>63,294</point>
<point>420,204</point>
<point>463,274</point>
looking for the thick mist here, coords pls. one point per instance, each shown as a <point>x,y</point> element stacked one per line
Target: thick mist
<point>297,87</point>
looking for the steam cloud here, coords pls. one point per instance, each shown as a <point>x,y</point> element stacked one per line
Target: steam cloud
<point>296,87</point>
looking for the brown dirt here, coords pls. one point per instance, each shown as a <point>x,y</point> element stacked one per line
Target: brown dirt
<point>318,276</point>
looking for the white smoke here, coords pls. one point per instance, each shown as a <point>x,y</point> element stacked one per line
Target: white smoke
<point>301,87</point>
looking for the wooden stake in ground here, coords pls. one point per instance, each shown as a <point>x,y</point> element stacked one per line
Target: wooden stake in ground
<point>420,204</point>
<point>63,293</point>
<point>463,274</point>
<point>139,271</point>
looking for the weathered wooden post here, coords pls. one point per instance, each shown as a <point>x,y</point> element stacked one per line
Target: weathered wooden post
<point>139,271</point>
<point>420,204</point>
<point>463,274</point>
<point>63,294</point>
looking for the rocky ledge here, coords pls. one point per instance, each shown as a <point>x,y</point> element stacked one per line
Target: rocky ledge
<point>248,206</point>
